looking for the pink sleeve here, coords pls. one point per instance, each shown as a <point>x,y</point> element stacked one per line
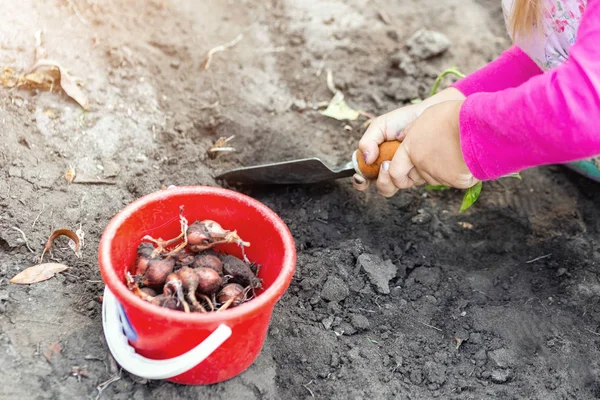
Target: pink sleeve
<point>511,69</point>
<point>552,118</point>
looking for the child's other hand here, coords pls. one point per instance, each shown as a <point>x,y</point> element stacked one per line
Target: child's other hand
<point>390,126</point>
<point>430,153</point>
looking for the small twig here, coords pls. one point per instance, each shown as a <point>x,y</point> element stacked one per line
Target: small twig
<point>210,106</point>
<point>376,303</point>
<point>101,387</point>
<point>365,310</point>
<point>307,388</point>
<point>279,49</point>
<point>220,48</point>
<point>71,275</point>
<point>538,258</point>
<point>94,182</point>
<point>77,13</point>
<point>430,326</point>
<point>24,238</point>
<point>591,331</point>
<point>38,216</point>
<point>222,141</point>
<point>330,84</point>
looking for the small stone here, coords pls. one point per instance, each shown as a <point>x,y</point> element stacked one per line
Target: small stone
<point>475,338</point>
<point>335,360</point>
<point>393,34</point>
<point>561,271</point>
<point>402,89</point>
<point>429,277</point>
<point>480,355</point>
<point>140,158</point>
<point>435,372</point>
<point>141,394</point>
<point>111,169</point>
<point>378,271</point>
<point>15,172</point>
<point>299,105</point>
<point>425,44</point>
<point>501,375</point>
<point>346,328</point>
<point>360,322</point>
<point>335,289</point>
<point>416,377</point>
<point>422,217</point>
<point>297,40</point>
<point>405,64</point>
<point>327,322</point>
<point>461,334</point>
<point>502,358</point>
<point>91,305</point>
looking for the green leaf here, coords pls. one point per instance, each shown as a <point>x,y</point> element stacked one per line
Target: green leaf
<point>471,196</point>
<point>415,101</point>
<point>372,341</point>
<point>451,70</point>
<point>515,175</point>
<point>438,187</point>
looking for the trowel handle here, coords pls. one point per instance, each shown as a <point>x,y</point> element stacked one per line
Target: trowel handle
<point>371,171</point>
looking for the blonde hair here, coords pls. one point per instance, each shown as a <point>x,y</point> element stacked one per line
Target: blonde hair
<point>525,16</point>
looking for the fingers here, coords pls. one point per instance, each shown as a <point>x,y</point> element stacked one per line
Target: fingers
<point>385,128</point>
<point>359,182</point>
<point>415,176</point>
<point>394,175</point>
<point>430,180</point>
<point>402,134</point>
<point>384,182</point>
<point>400,168</point>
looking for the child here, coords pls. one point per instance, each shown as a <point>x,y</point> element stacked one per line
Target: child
<point>537,104</point>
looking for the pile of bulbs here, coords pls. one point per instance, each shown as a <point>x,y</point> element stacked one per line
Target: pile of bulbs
<point>191,276</point>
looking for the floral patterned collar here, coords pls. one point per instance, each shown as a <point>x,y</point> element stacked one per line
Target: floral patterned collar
<point>548,45</point>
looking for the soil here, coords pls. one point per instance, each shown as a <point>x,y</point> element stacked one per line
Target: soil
<point>392,299</point>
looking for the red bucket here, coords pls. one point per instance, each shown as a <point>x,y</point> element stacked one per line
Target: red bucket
<point>198,349</point>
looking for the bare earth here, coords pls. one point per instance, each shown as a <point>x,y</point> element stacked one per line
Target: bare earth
<point>463,314</point>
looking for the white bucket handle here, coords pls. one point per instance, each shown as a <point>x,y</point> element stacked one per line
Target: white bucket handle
<point>143,367</point>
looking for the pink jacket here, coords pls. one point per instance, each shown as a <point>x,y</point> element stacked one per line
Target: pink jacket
<point>516,117</point>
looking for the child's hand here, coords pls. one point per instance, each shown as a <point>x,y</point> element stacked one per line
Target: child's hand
<point>390,126</point>
<point>430,153</point>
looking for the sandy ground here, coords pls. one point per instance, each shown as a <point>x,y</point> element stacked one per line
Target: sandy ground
<point>462,310</point>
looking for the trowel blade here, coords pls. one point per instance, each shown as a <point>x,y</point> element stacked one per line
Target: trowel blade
<point>302,171</point>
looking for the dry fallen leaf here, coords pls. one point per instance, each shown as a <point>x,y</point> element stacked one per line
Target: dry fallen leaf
<point>338,109</point>
<point>38,273</point>
<point>67,83</point>
<point>63,232</point>
<point>465,225</point>
<point>52,349</point>
<point>70,175</point>
<point>219,145</point>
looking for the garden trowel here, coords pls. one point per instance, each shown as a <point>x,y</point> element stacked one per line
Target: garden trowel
<point>309,170</point>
